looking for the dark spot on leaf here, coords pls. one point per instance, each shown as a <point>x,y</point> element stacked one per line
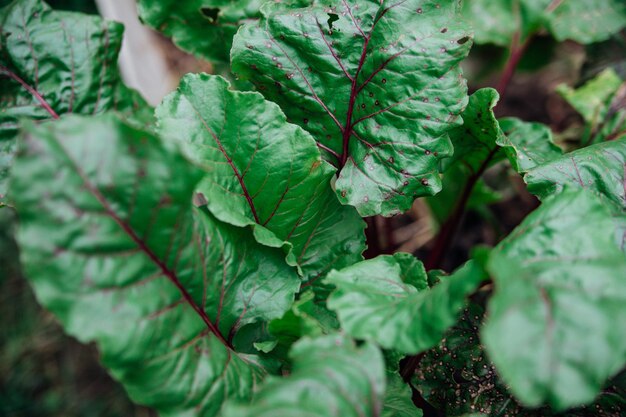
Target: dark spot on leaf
<point>463,40</point>
<point>377,103</point>
<point>424,181</point>
<point>371,94</point>
<point>391,159</point>
<point>420,11</point>
<point>211,13</point>
<point>306,121</point>
<point>427,152</point>
<point>444,30</point>
<point>343,193</point>
<point>363,105</point>
<point>250,47</point>
<point>405,183</point>
<point>384,81</point>
<point>332,18</point>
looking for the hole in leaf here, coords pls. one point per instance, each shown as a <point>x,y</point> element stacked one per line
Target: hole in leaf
<point>332,18</point>
<point>211,13</point>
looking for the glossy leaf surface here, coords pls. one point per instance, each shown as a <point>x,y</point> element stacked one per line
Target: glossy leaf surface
<point>261,170</point>
<point>331,377</point>
<point>387,300</point>
<point>378,84</point>
<point>560,289</point>
<point>113,247</point>
<point>53,63</point>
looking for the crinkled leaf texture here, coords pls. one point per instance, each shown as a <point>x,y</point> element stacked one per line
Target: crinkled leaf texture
<point>556,322</point>
<point>57,62</point>
<point>377,83</point>
<point>330,377</point>
<point>114,248</point>
<point>602,104</point>
<point>527,144</point>
<point>204,27</point>
<point>600,168</point>
<point>503,22</point>
<point>263,171</point>
<point>387,300</point>
<point>475,149</point>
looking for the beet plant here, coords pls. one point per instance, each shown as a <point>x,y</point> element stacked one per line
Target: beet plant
<point>213,247</point>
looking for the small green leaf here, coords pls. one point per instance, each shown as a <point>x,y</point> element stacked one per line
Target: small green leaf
<point>387,300</point>
<point>503,22</point>
<point>377,84</point>
<point>556,321</point>
<point>602,104</point>
<point>113,247</point>
<point>330,377</point>
<point>262,171</point>
<point>53,63</point>
<point>527,144</point>
<point>203,27</point>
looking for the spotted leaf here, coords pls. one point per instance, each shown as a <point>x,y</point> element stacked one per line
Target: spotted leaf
<point>377,83</point>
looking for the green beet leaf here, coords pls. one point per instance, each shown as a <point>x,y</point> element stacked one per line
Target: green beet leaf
<point>203,27</point>
<point>506,22</point>
<point>602,104</point>
<point>398,402</point>
<point>599,168</point>
<point>261,170</point>
<point>527,144</point>
<point>387,300</point>
<point>475,149</point>
<point>330,377</point>
<point>53,63</point>
<point>114,248</point>
<point>556,322</point>
<point>377,84</point>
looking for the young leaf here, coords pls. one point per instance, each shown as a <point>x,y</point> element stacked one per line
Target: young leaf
<point>349,379</point>
<point>602,104</point>
<point>504,22</point>
<point>203,27</point>
<point>387,300</point>
<point>261,170</point>
<point>377,83</point>
<point>53,63</point>
<point>113,247</point>
<point>527,144</point>
<point>560,289</point>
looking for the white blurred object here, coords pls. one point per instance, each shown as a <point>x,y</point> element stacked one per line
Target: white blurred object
<point>141,62</point>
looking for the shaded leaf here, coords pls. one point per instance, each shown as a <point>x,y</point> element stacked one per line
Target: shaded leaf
<point>349,379</point>
<point>504,22</point>
<point>559,289</point>
<point>113,247</point>
<point>387,300</point>
<point>475,150</point>
<point>53,63</point>
<point>378,84</point>
<point>602,104</point>
<point>203,27</point>
<point>527,144</point>
<point>260,170</point>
